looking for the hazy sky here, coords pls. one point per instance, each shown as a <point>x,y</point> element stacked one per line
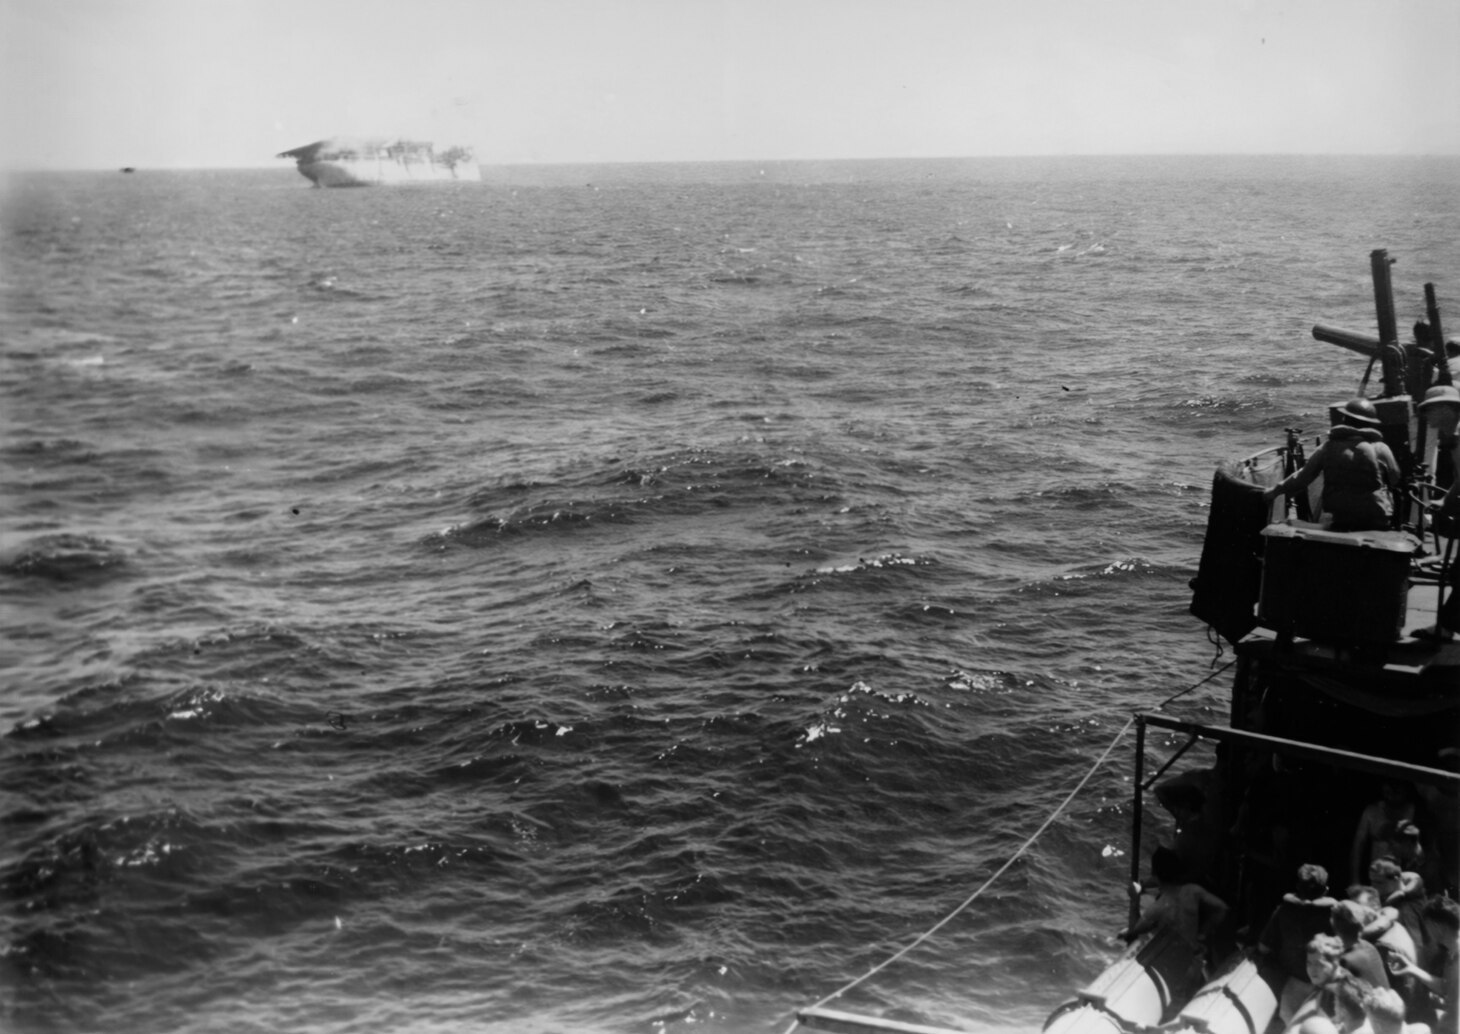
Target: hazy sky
<point>193,83</point>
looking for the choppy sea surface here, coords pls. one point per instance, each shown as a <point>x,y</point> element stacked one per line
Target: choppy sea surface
<point>624,598</point>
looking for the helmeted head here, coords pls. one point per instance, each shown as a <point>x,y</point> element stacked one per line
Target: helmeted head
<point>1440,395</point>
<point>1440,406</point>
<point>1359,413</point>
<point>1166,865</point>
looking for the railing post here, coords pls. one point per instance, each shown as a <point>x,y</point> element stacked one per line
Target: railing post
<point>1137,807</point>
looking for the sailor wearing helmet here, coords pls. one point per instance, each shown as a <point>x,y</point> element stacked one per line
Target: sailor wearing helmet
<point>1358,472</point>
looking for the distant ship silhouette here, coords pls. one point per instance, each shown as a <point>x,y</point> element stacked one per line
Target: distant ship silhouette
<point>346,162</point>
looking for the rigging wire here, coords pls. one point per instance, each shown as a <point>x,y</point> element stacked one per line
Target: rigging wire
<point>988,882</point>
<point>1197,684</point>
<point>1015,856</point>
<point>1216,640</point>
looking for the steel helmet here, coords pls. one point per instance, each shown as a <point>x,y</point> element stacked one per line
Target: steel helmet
<point>1441,393</point>
<point>1360,411</point>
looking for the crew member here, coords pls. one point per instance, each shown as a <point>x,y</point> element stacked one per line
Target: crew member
<point>1358,472</point>
<point>1441,410</point>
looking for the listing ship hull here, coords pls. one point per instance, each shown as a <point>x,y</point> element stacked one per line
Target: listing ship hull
<point>340,162</point>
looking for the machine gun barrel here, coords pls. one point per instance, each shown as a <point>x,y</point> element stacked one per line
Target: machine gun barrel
<point>1360,343</point>
<point>1379,263</point>
<point>1389,354</point>
<point>1437,336</point>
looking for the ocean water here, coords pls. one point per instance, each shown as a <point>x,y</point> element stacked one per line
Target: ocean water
<point>624,598</point>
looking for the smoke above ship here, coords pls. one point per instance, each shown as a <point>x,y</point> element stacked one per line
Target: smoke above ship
<point>368,161</point>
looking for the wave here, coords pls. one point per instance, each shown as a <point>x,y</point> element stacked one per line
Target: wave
<point>678,484</point>
<point>327,286</point>
<point>66,558</point>
<point>775,609</point>
<point>1221,403</point>
<point>1106,496</point>
<point>130,713</point>
<point>59,451</point>
<point>74,866</point>
<point>1107,576</point>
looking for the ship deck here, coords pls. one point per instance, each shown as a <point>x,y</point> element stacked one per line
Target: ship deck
<point>1409,657</point>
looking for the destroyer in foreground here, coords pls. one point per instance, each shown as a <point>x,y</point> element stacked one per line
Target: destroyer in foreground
<point>346,162</point>
<point>1344,690</point>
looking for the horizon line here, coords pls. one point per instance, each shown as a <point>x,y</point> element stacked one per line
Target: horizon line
<point>277,163</point>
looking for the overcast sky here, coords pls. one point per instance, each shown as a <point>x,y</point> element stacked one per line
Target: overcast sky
<point>229,83</point>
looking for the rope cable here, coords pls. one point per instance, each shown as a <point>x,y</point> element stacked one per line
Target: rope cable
<point>1195,685</point>
<point>988,882</point>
